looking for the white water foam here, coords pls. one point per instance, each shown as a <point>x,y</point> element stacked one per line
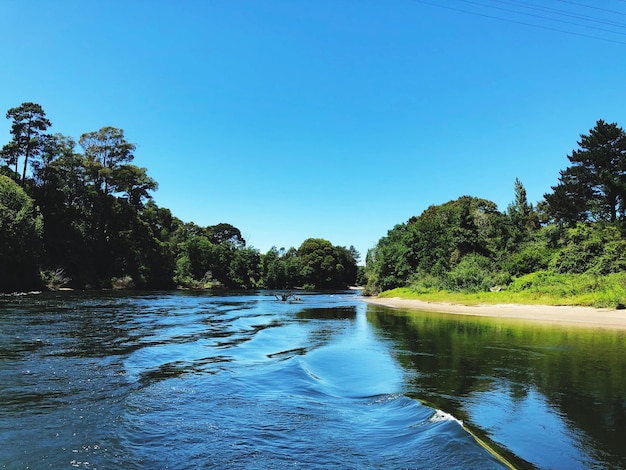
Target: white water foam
<point>439,416</point>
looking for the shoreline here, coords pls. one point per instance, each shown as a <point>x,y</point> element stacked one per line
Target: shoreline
<point>562,315</point>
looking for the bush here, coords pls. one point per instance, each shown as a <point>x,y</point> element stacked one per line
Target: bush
<point>599,249</point>
<point>581,289</point>
<point>475,273</point>
<point>120,283</point>
<point>424,283</point>
<point>21,229</point>
<point>612,260</point>
<point>534,257</point>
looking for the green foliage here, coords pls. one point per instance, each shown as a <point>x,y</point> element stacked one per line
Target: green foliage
<point>92,206</point>
<point>466,246</point>
<point>435,244</point>
<point>99,227</point>
<point>424,283</point>
<point>326,266</point>
<point>361,278</point>
<point>532,257</point>
<point>523,219</point>
<point>280,269</point>
<point>28,124</point>
<point>106,150</point>
<point>598,249</point>
<point>539,288</point>
<point>582,289</point>
<point>592,188</point>
<point>182,273</point>
<point>87,220</point>
<point>225,233</point>
<point>229,264</point>
<point>243,272</point>
<point>20,238</point>
<point>475,273</point>
<point>316,264</point>
<point>387,263</point>
<point>134,183</point>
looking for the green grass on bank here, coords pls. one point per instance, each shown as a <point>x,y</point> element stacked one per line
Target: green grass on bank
<point>539,288</point>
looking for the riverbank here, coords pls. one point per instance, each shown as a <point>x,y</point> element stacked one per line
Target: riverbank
<point>567,315</point>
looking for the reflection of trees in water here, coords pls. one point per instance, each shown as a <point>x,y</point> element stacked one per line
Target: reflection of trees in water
<point>579,371</point>
<point>322,332</point>
<point>337,313</point>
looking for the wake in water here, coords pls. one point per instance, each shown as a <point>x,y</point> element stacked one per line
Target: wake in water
<point>284,416</point>
<point>172,381</point>
<point>442,416</point>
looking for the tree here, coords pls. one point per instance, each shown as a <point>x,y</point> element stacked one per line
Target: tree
<point>59,192</point>
<point>594,186</point>
<point>274,269</point>
<point>20,238</point>
<point>225,233</point>
<point>215,255</point>
<point>326,266</point>
<point>569,201</point>
<point>591,248</point>
<point>67,172</point>
<point>134,182</point>
<point>29,123</point>
<point>433,244</point>
<point>356,256</point>
<point>521,214</point>
<point>244,270</point>
<point>346,265</point>
<point>105,151</point>
<point>53,146</point>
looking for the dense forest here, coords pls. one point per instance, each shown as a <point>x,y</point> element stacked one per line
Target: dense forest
<point>574,239</point>
<point>81,215</point>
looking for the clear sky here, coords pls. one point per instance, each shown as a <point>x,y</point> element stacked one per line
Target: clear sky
<point>334,119</point>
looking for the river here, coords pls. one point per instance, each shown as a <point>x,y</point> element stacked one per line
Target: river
<point>195,380</point>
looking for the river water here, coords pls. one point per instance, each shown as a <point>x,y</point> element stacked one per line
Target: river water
<point>192,380</point>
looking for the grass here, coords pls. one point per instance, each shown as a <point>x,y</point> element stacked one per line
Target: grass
<point>541,288</point>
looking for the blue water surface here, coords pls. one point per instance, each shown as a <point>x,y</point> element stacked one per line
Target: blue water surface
<point>193,380</point>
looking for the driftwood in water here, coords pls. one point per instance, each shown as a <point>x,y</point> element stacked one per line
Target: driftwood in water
<point>287,297</point>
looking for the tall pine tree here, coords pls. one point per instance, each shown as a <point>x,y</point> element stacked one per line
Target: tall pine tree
<point>594,186</point>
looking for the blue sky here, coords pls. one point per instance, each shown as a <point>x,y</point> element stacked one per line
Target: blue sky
<point>334,119</point>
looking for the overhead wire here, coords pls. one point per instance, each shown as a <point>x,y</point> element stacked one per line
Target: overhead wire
<point>556,20</point>
<point>615,12</point>
<point>524,23</point>
<point>556,11</point>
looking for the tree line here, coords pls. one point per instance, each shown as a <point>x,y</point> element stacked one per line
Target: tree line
<point>468,245</point>
<point>81,214</point>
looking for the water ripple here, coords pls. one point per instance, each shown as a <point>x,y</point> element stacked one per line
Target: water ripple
<point>182,380</point>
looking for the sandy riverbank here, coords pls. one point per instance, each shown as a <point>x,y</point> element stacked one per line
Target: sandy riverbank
<point>580,316</point>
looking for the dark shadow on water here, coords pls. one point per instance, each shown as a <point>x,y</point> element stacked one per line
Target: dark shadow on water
<point>338,313</point>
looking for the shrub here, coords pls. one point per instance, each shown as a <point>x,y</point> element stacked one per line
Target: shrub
<point>475,273</point>
<point>599,249</point>
<point>581,289</point>
<point>125,282</point>
<point>424,283</point>
<point>533,257</point>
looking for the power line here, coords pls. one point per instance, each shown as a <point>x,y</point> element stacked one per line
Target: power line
<point>557,11</point>
<point>615,12</point>
<point>573,33</point>
<point>547,17</point>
